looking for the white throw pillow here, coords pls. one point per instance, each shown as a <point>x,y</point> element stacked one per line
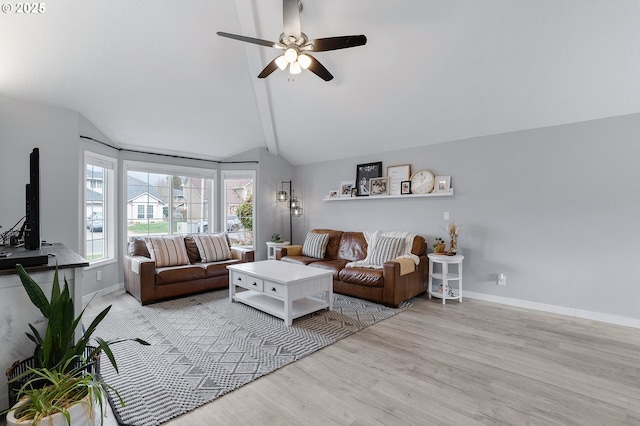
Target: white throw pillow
<point>315,245</point>
<point>386,249</point>
<point>213,247</point>
<point>167,251</point>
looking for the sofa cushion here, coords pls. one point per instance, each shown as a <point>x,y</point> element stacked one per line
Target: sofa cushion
<point>138,247</point>
<point>386,249</point>
<point>335,265</point>
<point>213,247</point>
<point>176,274</point>
<point>333,245</point>
<point>192,249</point>
<point>353,246</point>
<point>299,260</point>
<point>168,251</point>
<point>218,269</point>
<point>362,276</point>
<point>315,245</point>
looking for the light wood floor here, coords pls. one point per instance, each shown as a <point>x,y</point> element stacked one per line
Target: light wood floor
<point>461,364</point>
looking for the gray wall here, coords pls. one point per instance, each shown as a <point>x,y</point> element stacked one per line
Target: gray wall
<point>555,209</point>
<point>24,126</point>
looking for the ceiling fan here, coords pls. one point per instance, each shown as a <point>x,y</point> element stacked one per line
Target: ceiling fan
<point>297,46</point>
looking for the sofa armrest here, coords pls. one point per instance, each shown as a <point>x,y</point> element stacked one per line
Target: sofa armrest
<point>140,277</point>
<point>398,288</point>
<point>244,255</point>
<point>281,252</point>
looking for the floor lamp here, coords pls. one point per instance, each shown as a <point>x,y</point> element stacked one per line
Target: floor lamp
<point>295,205</point>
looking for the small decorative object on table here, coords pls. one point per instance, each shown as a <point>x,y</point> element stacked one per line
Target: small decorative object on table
<point>452,229</point>
<point>439,246</point>
<point>276,238</point>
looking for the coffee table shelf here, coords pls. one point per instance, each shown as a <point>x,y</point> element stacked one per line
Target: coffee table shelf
<point>275,307</point>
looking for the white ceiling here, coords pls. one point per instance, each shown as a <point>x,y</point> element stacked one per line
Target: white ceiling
<point>153,75</point>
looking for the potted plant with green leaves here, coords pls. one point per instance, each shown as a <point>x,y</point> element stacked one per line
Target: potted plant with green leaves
<point>439,245</point>
<point>276,238</point>
<point>60,364</point>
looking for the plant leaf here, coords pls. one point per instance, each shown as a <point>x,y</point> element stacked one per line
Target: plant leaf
<point>34,291</point>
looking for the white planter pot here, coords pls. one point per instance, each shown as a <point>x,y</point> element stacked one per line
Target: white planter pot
<point>80,416</point>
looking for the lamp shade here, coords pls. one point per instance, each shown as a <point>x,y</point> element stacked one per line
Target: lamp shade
<point>282,62</point>
<point>281,196</point>
<point>296,212</point>
<point>295,203</point>
<point>304,61</point>
<point>294,68</point>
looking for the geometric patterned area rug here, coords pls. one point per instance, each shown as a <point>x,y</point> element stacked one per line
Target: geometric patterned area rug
<point>204,346</point>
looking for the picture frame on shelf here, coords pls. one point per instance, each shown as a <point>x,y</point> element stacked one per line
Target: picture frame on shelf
<point>346,187</point>
<point>442,184</point>
<point>379,186</point>
<point>354,191</point>
<point>364,172</point>
<point>397,175</point>
<point>405,187</point>
<point>334,193</point>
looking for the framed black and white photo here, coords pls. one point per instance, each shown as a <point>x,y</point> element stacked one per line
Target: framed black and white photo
<point>397,174</point>
<point>364,172</point>
<point>379,186</point>
<point>346,187</point>
<point>405,187</point>
<point>443,184</point>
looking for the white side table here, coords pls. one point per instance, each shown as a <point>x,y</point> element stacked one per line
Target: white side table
<point>271,249</point>
<point>445,276</point>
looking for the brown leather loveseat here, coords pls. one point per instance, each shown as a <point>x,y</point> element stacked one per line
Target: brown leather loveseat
<point>149,284</point>
<point>396,282</point>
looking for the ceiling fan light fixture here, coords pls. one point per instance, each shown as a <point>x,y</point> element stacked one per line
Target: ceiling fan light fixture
<point>281,62</point>
<point>295,68</point>
<point>291,55</point>
<point>304,61</point>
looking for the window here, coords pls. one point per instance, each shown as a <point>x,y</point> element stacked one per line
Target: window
<point>99,216</point>
<point>238,206</point>
<point>165,200</point>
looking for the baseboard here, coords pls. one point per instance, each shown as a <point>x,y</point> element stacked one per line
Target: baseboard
<point>578,313</point>
<point>87,298</point>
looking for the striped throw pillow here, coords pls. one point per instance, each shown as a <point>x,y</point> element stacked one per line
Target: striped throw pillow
<point>386,249</point>
<point>167,251</point>
<point>213,247</point>
<point>315,245</point>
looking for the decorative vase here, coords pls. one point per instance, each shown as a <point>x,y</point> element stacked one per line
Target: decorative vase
<point>439,248</point>
<point>453,245</point>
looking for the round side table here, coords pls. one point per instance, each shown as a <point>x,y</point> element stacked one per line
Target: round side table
<point>444,277</point>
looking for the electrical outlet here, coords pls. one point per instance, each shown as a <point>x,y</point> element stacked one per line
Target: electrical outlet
<point>99,275</point>
<point>502,279</point>
<point>446,215</point>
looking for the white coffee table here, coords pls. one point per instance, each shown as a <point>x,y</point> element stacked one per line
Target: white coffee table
<point>284,290</point>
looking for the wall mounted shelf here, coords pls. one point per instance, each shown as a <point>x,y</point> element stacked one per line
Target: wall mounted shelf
<point>387,197</point>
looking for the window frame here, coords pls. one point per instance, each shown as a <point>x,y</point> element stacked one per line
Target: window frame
<point>237,174</point>
<point>109,209</point>
<point>169,170</point>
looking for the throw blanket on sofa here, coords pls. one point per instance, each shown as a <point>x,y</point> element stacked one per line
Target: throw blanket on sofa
<point>372,238</point>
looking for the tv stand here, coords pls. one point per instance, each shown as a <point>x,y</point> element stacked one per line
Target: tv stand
<point>11,256</point>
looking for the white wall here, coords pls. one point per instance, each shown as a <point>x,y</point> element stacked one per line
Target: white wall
<point>555,209</point>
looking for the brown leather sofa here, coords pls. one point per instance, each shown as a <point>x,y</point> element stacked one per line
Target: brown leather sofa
<point>387,286</point>
<point>149,284</point>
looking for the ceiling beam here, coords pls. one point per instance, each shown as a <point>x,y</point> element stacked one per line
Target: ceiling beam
<point>246,17</point>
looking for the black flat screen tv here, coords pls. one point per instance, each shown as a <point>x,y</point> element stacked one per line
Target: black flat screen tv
<point>32,219</point>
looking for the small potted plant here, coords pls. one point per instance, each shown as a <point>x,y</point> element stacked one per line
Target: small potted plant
<point>276,238</point>
<point>439,245</point>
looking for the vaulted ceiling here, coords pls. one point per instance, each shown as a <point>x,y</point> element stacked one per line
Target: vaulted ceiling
<point>154,75</point>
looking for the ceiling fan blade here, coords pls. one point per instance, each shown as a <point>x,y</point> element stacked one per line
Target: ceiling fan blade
<point>248,39</point>
<point>318,69</point>
<point>268,69</point>
<point>334,43</point>
<point>291,18</point>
